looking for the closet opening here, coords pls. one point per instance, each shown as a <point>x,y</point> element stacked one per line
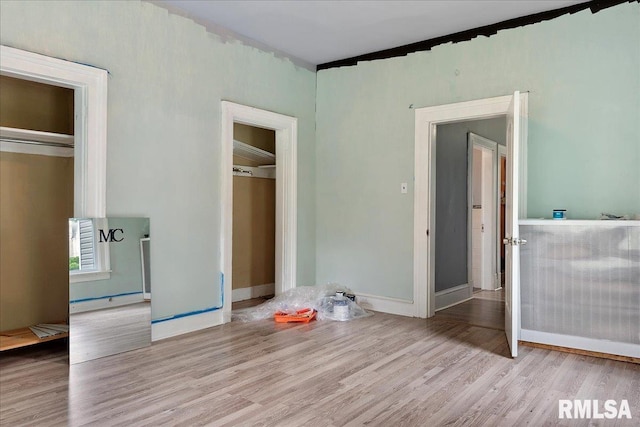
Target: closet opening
<point>285,129</point>
<point>254,215</point>
<point>54,112</point>
<point>36,202</point>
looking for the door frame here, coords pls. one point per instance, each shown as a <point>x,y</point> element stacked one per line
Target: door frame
<point>485,144</point>
<point>286,129</point>
<point>89,86</point>
<point>426,120</point>
<point>502,152</point>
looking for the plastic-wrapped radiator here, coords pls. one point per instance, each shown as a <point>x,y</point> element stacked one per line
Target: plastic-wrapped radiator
<point>580,285</point>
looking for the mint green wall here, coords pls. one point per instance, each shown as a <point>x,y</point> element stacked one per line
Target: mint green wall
<point>167,78</point>
<point>168,75</point>
<point>125,263</point>
<point>583,74</point>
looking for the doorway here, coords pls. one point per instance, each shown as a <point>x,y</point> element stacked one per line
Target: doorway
<point>254,210</point>
<point>483,209</point>
<point>86,145</point>
<point>285,128</point>
<point>464,239</point>
<point>515,107</point>
<point>36,200</point>
<point>485,308</point>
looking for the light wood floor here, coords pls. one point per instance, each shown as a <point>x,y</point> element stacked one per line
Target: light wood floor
<point>497,295</point>
<point>238,305</point>
<point>101,333</point>
<point>382,370</point>
<point>485,309</point>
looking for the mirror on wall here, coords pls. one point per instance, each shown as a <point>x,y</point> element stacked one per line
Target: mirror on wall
<point>109,286</point>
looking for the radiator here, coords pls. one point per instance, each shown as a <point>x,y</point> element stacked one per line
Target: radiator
<point>582,280</point>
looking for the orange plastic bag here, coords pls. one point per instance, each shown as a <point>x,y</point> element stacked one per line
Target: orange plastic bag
<point>305,315</point>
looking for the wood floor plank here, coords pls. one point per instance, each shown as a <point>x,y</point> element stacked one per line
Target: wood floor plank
<point>383,370</point>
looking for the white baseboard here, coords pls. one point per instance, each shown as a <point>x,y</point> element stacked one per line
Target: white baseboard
<point>106,302</point>
<point>257,291</point>
<point>452,296</point>
<point>184,325</point>
<point>590,344</point>
<point>386,305</point>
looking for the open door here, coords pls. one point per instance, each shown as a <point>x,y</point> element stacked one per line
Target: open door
<point>512,241</point>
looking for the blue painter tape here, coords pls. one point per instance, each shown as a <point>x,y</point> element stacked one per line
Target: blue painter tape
<point>222,287</point>
<point>190,313</point>
<point>193,313</point>
<point>104,297</point>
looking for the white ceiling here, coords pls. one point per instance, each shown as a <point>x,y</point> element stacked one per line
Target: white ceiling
<point>316,32</point>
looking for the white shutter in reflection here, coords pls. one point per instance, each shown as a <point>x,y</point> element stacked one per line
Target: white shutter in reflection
<point>87,244</point>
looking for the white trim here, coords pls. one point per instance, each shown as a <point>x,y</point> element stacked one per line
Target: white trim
<point>589,344</point>
<point>99,304</point>
<point>286,128</point>
<point>484,142</point>
<point>453,296</point>
<point>389,305</point>
<point>184,325</point>
<point>242,294</point>
<point>90,129</point>
<point>426,120</point>
<point>40,150</point>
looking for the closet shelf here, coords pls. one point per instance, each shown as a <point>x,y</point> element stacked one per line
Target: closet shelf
<point>27,135</point>
<point>249,152</point>
<point>23,337</point>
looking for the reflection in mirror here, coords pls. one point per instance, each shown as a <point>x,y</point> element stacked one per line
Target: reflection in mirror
<point>109,286</point>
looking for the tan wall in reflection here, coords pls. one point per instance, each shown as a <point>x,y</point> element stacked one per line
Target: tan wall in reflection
<point>36,201</point>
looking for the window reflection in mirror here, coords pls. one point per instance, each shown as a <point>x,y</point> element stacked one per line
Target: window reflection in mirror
<point>88,259</point>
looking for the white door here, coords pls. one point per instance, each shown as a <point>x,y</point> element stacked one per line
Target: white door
<point>512,240</point>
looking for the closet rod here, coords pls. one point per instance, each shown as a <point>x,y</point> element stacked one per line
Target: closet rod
<point>26,141</point>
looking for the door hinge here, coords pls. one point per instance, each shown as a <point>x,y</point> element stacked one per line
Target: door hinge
<point>514,241</point>
<point>427,232</point>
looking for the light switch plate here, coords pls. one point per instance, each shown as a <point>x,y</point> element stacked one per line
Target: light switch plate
<point>403,188</point>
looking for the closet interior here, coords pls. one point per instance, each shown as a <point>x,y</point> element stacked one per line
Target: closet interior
<point>36,201</point>
<point>254,212</point>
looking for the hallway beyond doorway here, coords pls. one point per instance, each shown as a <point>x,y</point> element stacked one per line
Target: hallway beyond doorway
<point>485,309</point>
